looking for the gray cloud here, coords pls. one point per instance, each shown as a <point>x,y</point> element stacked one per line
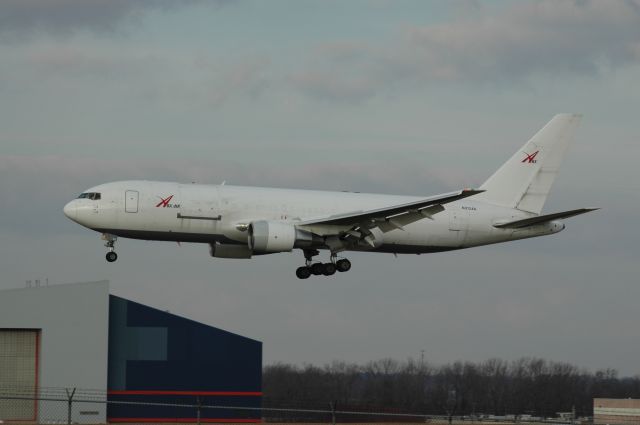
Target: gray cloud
<point>69,62</point>
<point>529,39</point>
<point>20,18</point>
<point>547,37</point>
<point>223,82</point>
<point>333,87</point>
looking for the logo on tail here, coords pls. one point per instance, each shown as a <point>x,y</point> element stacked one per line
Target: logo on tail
<point>530,158</point>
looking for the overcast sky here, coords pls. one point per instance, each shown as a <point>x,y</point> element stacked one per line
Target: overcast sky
<point>407,97</point>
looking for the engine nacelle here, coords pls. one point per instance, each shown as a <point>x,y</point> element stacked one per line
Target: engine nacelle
<point>224,250</point>
<point>267,237</point>
<point>271,236</point>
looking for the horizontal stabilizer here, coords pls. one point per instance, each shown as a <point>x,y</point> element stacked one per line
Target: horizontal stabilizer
<point>518,224</point>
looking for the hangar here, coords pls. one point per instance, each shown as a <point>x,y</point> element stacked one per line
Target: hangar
<point>80,336</point>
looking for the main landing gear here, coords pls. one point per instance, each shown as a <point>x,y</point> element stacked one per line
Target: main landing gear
<point>317,269</point>
<point>110,242</point>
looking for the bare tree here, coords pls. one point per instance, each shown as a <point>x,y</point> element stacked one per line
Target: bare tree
<point>527,385</point>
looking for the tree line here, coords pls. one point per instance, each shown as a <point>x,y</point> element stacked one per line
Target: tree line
<point>531,386</point>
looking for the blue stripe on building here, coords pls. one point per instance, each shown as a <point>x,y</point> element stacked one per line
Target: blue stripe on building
<point>154,352</point>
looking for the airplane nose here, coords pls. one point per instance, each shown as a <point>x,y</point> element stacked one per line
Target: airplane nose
<point>71,210</point>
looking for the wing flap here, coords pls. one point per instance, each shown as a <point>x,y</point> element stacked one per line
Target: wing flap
<point>398,215</point>
<point>518,224</point>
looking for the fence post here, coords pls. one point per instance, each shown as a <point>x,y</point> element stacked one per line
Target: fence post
<point>69,403</point>
<point>199,407</point>
<point>332,405</point>
<point>452,401</point>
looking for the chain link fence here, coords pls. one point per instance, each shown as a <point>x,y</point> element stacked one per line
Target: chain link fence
<point>75,406</point>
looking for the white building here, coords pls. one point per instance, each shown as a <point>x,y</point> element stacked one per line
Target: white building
<point>616,411</point>
<point>53,337</point>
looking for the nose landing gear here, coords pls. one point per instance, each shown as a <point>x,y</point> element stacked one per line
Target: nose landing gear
<point>318,269</point>
<point>110,242</point>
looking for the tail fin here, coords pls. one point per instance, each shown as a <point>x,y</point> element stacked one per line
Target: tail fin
<point>524,181</point>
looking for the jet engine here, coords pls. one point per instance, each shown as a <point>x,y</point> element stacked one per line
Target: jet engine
<point>267,237</point>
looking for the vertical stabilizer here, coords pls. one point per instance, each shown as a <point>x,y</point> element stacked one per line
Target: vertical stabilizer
<point>525,180</point>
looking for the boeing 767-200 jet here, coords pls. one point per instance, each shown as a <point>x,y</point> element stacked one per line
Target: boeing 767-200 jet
<point>239,222</point>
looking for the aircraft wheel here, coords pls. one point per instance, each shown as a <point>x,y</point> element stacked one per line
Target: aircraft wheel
<point>303,272</point>
<point>328,269</point>
<point>343,265</point>
<point>317,269</point>
<point>111,256</point>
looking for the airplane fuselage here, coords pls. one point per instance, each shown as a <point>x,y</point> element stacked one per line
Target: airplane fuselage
<point>221,213</point>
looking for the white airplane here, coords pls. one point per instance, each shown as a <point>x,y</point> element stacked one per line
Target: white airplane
<point>239,222</point>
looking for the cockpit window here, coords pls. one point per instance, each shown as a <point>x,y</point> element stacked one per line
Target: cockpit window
<point>94,196</point>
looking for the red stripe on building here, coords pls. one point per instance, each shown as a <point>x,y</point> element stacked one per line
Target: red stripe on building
<point>171,392</point>
<point>186,420</point>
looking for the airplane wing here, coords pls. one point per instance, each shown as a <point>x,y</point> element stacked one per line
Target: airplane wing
<point>394,216</point>
<point>517,224</point>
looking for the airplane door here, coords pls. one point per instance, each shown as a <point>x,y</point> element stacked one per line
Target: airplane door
<point>131,201</point>
<point>458,225</point>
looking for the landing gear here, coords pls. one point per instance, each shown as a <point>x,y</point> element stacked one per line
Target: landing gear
<point>110,242</point>
<point>328,269</point>
<point>303,272</point>
<point>321,269</point>
<point>317,269</point>
<point>343,265</point>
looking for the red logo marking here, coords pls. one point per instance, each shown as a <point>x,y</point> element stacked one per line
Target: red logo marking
<point>530,158</point>
<point>164,201</point>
